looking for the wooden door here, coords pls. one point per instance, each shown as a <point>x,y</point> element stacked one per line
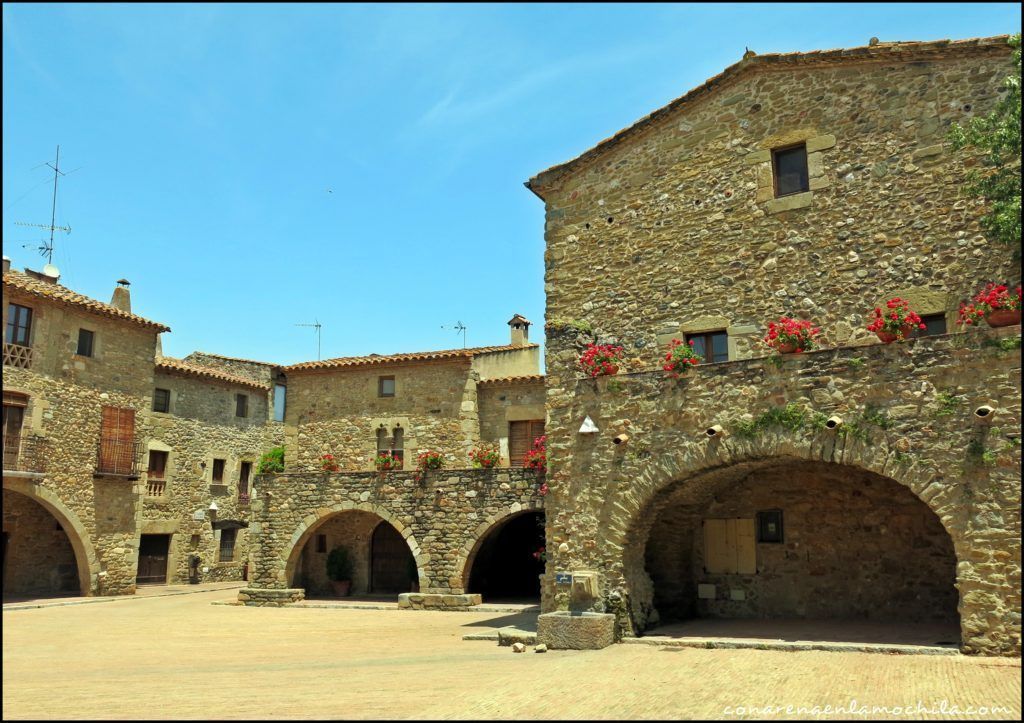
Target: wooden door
<point>117,438</point>
<point>153,551</point>
<point>392,566</point>
<point>520,439</point>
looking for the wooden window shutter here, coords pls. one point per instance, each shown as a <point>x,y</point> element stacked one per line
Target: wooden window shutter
<point>117,437</point>
<point>520,439</point>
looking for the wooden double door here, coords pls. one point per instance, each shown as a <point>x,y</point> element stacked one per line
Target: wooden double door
<point>153,554</point>
<point>392,566</point>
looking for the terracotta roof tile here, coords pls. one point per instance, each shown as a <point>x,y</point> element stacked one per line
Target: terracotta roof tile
<point>64,295</point>
<point>172,365</point>
<point>890,51</point>
<point>377,360</point>
<point>525,379</point>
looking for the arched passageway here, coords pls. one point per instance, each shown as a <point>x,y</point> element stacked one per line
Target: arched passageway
<point>38,557</point>
<point>794,540</point>
<point>382,561</point>
<point>507,562</point>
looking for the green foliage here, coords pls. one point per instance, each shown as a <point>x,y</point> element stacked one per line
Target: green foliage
<point>855,362</point>
<point>272,461</point>
<point>1006,343</point>
<point>792,417</point>
<point>339,564</point>
<point>582,326</point>
<point>775,360</point>
<point>947,402</point>
<point>614,385</point>
<point>817,420</point>
<point>877,417</point>
<point>997,135</point>
<point>978,455</point>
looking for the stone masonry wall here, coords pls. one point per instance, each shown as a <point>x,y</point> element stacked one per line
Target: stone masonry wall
<point>351,529</point>
<point>504,402</point>
<point>38,556</point>
<point>339,412</point>
<point>908,411</point>
<point>442,517</point>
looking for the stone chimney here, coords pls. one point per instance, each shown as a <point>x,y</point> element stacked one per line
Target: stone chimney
<point>7,264</point>
<point>520,330</point>
<point>122,299</point>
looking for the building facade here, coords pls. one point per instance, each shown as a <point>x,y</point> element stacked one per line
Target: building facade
<point>816,186</point>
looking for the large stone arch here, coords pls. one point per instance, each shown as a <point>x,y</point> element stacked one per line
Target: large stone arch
<point>627,519</point>
<point>467,554</point>
<point>309,524</point>
<point>88,565</point>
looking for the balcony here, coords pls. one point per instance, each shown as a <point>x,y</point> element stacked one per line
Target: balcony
<point>155,487</point>
<point>118,458</point>
<point>17,356</point>
<point>25,453</point>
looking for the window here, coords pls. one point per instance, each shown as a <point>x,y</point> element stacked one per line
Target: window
<point>118,451</point>
<point>789,170</point>
<point>385,386</point>
<point>14,416</point>
<point>227,544</point>
<point>162,400</point>
<point>157,464</point>
<point>520,439</point>
<point>934,324</point>
<point>244,470</point>
<point>729,547</point>
<point>279,398</point>
<point>321,543</point>
<point>241,405</point>
<point>395,444</point>
<point>19,325</point>
<point>769,526</point>
<point>84,343</point>
<point>712,345</point>
<point>218,470</point>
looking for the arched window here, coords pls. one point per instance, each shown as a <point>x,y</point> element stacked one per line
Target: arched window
<point>382,440</point>
<point>398,444</point>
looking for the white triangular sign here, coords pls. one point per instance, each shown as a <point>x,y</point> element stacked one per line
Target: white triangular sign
<point>588,426</point>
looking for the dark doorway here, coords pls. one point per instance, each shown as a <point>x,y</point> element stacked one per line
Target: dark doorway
<point>508,561</point>
<point>153,551</point>
<point>392,566</point>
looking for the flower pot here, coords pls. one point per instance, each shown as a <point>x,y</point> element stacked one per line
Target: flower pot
<point>786,348</point>
<point>1003,317</point>
<point>341,587</point>
<point>889,337</point>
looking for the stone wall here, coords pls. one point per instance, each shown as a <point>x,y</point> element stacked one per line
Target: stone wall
<point>38,557</point>
<point>501,402</point>
<point>261,372</point>
<point>908,411</point>
<point>351,529</point>
<point>339,412</point>
<point>442,517</point>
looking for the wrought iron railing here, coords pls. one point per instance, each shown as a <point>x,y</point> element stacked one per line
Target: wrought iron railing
<point>118,457</point>
<point>18,356</point>
<point>25,453</point>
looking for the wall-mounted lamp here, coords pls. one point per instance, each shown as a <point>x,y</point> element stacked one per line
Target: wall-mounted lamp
<point>620,439</point>
<point>834,422</point>
<point>984,412</point>
<point>715,431</point>
<point>213,512</point>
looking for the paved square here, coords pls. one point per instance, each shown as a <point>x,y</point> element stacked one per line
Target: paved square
<point>182,657</point>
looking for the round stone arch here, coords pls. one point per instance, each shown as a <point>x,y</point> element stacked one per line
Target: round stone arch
<point>87,564</point>
<point>308,526</point>
<point>624,532</point>
<point>467,555</point>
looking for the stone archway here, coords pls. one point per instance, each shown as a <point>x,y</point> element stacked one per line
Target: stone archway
<point>361,521</point>
<point>500,562</point>
<point>861,545</point>
<point>86,564</point>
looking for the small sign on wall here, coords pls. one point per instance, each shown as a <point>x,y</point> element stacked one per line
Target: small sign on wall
<point>563,578</point>
<point>199,515</point>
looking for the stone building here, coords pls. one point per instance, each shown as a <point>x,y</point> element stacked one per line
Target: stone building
<point>815,185</point>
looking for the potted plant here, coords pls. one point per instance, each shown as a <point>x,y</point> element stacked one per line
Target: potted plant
<point>328,463</point>
<point>537,457</point>
<point>996,304</point>
<point>680,357</point>
<point>895,323</point>
<point>601,360</point>
<point>485,457</point>
<point>339,570</point>
<point>385,461</point>
<point>791,336</point>
<point>272,461</point>
<point>427,460</point>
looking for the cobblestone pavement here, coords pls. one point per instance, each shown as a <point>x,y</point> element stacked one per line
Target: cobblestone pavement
<point>181,657</point>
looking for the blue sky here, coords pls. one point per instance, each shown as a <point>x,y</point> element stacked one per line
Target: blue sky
<point>252,167</point>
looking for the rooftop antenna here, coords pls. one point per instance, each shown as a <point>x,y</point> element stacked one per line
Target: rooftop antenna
<point>316,325</point>
<point>47,246</point>
<point>459,328</point>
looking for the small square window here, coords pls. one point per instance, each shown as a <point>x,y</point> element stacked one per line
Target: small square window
<point>157,464</point>
<point>321,543</point>
<point>712,346</point>
<point>789,170</point>
<point>218,470</point>
<point>241,405</point>
<point>85,338</point>
<point>769,526</point>
<point>934,324</point>
<point>161,400</point>
<point>385,386</point>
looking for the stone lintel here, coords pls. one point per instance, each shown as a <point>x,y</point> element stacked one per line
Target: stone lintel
<point>820,143</point>
<point>789,203</point>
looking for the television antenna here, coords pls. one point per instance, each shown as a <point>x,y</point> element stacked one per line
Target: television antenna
<point>46,249</point>
<point>315,325</point>
<point>459,328</point>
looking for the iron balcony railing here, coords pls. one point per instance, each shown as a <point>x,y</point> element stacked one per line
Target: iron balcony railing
<point>25,453</point>
<point>18,356</point>
<point>118,457</point>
